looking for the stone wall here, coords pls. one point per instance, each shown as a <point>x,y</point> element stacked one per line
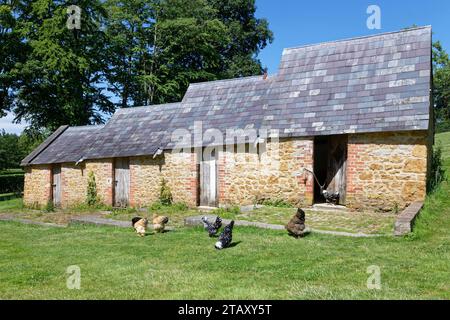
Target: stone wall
<point>178,169</point>
<point>273,173</point>
<point>37,188</point>
<point>74,181</point>
<point>386,170</point>
<point>103,171</point>
<point>73,184</point>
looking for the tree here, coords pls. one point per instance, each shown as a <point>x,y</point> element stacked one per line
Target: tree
<point>248,35</point>
<point>187,41</point>
<point>441,85</point>
<point>141,51</point>
<point>59,81</point>
<point>13,51</point>
<point>159,47</point>
<point>14,148</point>
<point>128,30</point>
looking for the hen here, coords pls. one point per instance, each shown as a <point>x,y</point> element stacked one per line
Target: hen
<point>140,225</point>
<point>296,226</point>
<point>225,237</point>
<point>330,197</point>
<point>159,222</point>
<point>212,228</point>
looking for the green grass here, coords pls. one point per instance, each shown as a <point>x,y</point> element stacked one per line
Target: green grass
<point>264,264</point>
<point>443,139</point>
<point>11,204</point>
<point>353,222</point>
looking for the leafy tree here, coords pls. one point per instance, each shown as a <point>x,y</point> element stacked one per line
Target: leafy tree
<point>14,148</point>
<point>129,31</point>
<point>165,45</point>
<point>248,35</point>
<point>441,85</point>
<point>187,42</point>
<point>12,51</point>
<point>59,81</point>
<point>142,51</point>
<point>10,155</point>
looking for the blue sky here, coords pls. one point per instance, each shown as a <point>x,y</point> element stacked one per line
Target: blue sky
<point>300,22</point>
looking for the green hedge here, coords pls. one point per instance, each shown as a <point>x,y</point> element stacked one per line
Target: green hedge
<point>11,183</point>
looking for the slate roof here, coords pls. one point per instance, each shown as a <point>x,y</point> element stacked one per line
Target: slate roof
<point>134,131</point>
<point>66,144</point>
<point>367,84</point>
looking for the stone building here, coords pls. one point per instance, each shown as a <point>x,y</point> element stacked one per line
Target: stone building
<point>356,112</point>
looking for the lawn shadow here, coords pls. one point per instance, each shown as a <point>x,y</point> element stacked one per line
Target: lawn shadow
<point>304,235</point>
<point>234,244</point>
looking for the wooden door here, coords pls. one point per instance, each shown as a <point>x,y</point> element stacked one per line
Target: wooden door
<point>337,166</point>
<point>208,178</point>
<point>121,182</point>
<point>56,184</point>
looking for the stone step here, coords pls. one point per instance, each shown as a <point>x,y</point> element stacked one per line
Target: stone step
<point>328,207</point>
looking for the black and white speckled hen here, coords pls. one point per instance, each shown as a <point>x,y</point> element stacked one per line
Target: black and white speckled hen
<point>212,228</point>
<point>225,237</point>
<point>330,197</point>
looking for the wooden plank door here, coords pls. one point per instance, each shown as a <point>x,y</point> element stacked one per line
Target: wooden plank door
<point>121,182</point>
<point>56,184</point>
<point>337,166</point>
<point>208,178</point>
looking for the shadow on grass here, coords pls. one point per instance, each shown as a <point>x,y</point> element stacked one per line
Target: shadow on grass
<point>234,244</point>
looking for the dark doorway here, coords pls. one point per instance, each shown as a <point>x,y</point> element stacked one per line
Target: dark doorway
<point>330,164</point>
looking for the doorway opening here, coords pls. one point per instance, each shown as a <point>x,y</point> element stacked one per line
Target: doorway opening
<point>330,167</point>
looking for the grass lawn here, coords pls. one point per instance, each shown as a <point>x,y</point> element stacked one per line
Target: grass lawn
<point>263,264</point>
<point>352,222</point>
